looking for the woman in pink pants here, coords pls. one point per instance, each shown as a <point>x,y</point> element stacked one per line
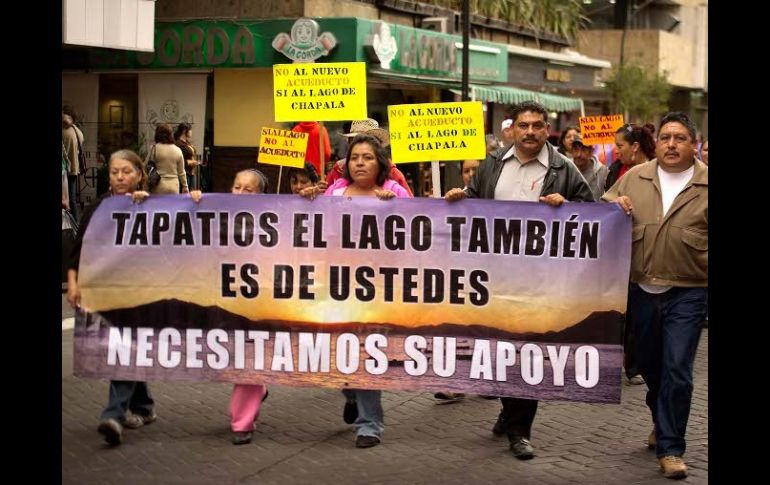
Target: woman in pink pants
<point>246,399</point>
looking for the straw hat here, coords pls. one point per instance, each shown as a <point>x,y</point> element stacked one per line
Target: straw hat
<point>381,134</point>
<point>362,126</point>
<point>369,127</point>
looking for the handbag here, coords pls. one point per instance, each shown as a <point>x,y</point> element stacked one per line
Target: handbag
<point>81,154</point>
<point>153,176</point>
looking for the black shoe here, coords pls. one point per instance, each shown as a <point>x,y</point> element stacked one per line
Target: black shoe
<point>367,441</point>
<point>111,430</point>
<point>241,437</point>
<point>448,397</point>
<point>499,428</point>
<point>350,412</point>
<point>522,449</point>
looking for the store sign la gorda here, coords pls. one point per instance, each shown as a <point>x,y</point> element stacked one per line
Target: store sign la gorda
<point>304,45</point>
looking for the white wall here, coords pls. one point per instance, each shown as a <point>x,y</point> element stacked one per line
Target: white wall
<point>117,24</point>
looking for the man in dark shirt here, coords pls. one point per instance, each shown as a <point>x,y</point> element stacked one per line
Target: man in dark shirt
<point>529,169</point>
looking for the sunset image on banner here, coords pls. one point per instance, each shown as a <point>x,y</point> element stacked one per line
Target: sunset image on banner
<point>408,271</point>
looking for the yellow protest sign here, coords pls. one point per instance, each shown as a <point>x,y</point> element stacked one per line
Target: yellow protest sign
<point>282,147</point>
<point>595,130</point>
<point>437,131</point>
<point>332,91</point>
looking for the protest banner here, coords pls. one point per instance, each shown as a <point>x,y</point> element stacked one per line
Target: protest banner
<point>479,296</point>
<point>596,130</point>
<point>437,131</point>
<point>332,91</point>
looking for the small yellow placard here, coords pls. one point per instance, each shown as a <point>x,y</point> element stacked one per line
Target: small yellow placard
<point>437,131</point>
<point>331,91</point>
<point>282,147</point>
<point>595,130</point>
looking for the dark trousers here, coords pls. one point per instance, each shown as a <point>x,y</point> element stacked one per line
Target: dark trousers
<point>667,328</point>
<point>518,415</point>
<point>190,183</point>
<point>128,396</point>
<point>629,350</point>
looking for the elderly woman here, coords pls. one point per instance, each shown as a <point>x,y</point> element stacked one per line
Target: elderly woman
<point>170,162</point>
<point>365,174</point>
<point>130,403</point>
<point>246,400</point>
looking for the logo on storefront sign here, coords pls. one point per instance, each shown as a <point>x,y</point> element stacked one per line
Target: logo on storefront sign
<point>384,44</point>
<point>304,45</point>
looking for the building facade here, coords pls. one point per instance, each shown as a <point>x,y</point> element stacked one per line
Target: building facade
<point>216,73</point>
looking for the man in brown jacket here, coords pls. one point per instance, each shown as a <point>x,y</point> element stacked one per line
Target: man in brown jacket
<point>668,200</point>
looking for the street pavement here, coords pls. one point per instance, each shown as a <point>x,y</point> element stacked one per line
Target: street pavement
<point>301,438</point>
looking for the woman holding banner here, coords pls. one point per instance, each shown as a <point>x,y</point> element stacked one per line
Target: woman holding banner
<point>246,400</point>
<point>130,404</point>
<point>365,174</point>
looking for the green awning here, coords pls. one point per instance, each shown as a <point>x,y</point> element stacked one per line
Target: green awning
<point>509,95</point>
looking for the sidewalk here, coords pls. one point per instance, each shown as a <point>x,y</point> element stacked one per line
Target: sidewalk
<point>301,438</point>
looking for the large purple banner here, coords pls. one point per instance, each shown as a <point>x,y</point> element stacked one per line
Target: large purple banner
<point>478,296</point>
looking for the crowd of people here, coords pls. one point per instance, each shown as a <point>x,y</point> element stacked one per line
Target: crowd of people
<point>660,180</point>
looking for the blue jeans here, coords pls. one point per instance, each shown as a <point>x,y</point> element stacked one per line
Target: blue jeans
<point>128,396</point>
<point>667,328</point>
<point>371,420</point>
<point>72,180</point>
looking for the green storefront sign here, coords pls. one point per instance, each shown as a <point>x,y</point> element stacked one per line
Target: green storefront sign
<point>386,47</point>
<point>407,50</point>
<point>222,44</point>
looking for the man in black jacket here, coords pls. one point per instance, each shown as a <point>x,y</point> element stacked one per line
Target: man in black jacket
<point>529,169</point>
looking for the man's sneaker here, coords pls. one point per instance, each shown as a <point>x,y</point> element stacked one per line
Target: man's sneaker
<point>367,441</point>
<point>448,397</point>
<point>241,437</point>
<point>651,441</point>
<point>499,428</point>
<point>522,449</point>
<point>134,421</point>
<point>636,380</point>
<point>673,466</point>
<point>350,412</point>
<point>111,430</point>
